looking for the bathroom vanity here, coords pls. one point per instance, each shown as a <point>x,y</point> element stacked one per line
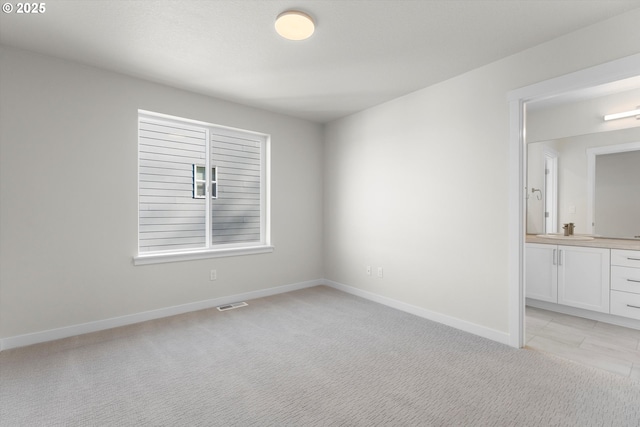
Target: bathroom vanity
<point>597,278</point>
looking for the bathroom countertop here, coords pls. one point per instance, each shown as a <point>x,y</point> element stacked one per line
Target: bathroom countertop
<point>598,242</point>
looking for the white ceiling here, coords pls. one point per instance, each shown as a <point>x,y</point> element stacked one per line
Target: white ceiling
<point>363,53</point>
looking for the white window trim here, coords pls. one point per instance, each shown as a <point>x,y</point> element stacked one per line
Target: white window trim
<point>163,257</point>
<point>219,251</point>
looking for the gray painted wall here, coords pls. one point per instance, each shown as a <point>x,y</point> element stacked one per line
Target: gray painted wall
<point>69,204</point>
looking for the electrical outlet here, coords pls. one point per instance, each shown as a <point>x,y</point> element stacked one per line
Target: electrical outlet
<point>368,270</point>
<point>380,272</point>
<point>213,275</point>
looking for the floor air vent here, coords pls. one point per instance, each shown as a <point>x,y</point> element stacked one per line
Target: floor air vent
<point>231,306</point>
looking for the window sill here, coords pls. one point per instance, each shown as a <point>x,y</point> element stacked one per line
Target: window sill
<point>159,258</point>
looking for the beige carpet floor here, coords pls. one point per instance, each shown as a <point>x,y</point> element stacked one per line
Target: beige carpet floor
<point>316,357</point>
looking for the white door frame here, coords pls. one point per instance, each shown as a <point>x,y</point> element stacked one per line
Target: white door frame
<point>601,74</point>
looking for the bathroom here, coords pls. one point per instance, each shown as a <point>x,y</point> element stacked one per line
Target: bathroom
<point>582,251</point>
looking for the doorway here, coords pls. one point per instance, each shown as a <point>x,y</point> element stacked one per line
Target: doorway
<point>586,334</point>
<point>624,68</point>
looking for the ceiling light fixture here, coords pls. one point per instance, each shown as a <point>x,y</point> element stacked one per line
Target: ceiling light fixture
<point>294,25</point>
<point>623,115</point>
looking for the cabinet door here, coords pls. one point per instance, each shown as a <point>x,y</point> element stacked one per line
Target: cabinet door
<point>541,281</point>
<point>583,277</point>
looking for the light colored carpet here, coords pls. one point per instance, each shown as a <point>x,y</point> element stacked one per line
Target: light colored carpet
<point>316,357</point>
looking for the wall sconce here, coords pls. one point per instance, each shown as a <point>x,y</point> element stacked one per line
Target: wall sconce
<point>623,115</point>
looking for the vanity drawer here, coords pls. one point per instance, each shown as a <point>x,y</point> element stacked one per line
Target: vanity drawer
<point>625,304</point>
<point>625,258</point>
<point>625,279</point>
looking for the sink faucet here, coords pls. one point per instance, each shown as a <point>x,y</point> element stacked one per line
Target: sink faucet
<point>568,229</point>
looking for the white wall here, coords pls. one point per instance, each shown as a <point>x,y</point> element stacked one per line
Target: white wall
<point>68,191</point>
<point>419,185</point>
<point>580,118</point>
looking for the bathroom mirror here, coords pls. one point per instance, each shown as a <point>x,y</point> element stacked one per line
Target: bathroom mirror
<point>582,168</point>
<point>591,180</point>
<point>613,193</point>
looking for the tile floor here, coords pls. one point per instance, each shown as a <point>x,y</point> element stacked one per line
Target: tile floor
<point>612,348</point>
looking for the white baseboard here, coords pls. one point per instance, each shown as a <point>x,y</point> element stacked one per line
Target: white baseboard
<point>462,325</point>
<point>100,325</point>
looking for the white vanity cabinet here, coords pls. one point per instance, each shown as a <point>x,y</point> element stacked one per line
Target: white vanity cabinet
<point>542,272</point>
<point>570,275</point>
<point>625,283</point>
<point>583,277</point>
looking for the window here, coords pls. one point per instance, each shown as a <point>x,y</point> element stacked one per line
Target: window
<point>214,184</point>
<point>202,190</point>
<point>199,182</point>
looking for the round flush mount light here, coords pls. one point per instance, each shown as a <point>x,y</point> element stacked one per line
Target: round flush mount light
<point>294,25</point>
